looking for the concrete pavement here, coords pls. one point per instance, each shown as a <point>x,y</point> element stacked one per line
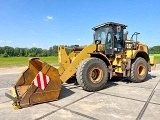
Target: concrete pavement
<point>119,100</point>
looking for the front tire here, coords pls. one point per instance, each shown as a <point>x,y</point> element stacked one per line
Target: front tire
<point>92,74</point>
<point>139,70</point>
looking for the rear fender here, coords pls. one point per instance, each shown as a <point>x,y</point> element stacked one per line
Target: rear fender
<point>152,62</point>
<point>149,59</point>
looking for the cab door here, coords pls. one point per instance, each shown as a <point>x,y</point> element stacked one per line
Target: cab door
<point>109,44</point>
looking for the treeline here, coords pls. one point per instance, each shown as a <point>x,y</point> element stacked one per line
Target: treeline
<point>8,51</point>
<point>154,50</point>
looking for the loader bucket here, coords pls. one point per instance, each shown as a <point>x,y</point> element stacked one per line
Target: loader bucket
<point>39,83</point>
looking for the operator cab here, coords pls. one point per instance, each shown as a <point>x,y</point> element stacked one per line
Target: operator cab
<point>111,36</point>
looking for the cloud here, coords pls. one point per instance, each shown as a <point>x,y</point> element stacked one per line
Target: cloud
<point>6,41</point>
<point>50,17</point>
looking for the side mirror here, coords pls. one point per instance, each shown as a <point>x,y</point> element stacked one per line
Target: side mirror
<point>97,42</point>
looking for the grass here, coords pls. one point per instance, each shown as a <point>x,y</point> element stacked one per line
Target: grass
<point>23,61</point>
<point>157,59</point>
<point>157,55</point>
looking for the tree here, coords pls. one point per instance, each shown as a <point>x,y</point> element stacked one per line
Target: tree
<point>53,51</point>
<point>44,53</point>
<point>9,50</point>
<point>5,54</point>
<point>2,50</point>
<point>154,50</point>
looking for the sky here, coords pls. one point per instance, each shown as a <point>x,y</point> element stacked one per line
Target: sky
<point>44,23</point>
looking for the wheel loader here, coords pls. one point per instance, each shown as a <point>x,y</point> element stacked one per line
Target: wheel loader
<point>111,54</point>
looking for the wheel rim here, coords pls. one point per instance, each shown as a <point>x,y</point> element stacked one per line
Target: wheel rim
<point>141,70</point>
<point>96,75</point>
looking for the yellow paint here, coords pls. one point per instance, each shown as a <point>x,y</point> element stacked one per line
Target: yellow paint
<point>71,69</point>
<point>152,60</point>
<point>96,75</point>
<point>63,58</point>
<point>68,67</point>
<point>28,93</point>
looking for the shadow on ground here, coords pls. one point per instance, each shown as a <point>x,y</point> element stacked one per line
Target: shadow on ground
<point>114,80</point>
<point>65,92</point>
<point>66,89</point>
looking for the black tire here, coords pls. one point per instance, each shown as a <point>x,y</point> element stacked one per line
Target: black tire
<point>139,70</point>
<point>92,74</point>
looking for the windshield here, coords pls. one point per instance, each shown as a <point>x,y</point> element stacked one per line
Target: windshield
<point>104,34</point>
<point>101,34</point>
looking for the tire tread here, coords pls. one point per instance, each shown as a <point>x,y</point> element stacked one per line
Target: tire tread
<point>79,74</point>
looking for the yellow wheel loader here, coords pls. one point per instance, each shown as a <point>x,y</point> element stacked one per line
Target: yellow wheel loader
<point>111,54</point>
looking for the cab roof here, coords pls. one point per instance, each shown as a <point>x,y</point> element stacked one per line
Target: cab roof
<point>109,24</point>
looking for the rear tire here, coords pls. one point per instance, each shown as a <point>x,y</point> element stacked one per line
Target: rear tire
<point>92,74</point>
<point>139,70</point>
